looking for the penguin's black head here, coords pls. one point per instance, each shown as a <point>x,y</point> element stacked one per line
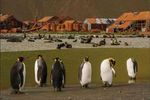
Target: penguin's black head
<point>57,59</point>
<point>39,56</point>
<point>21,59</point>
<point>86,58</point>
<point>112,61</point>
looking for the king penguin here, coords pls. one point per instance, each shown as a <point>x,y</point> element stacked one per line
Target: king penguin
<point>57,74</point>
<point>40,71</point>
<point>85,73</point>
<point>132,68</point>
<point>107,71</point>
<point>17,76</point>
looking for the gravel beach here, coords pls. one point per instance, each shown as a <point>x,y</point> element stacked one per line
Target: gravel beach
<point>41,44</point>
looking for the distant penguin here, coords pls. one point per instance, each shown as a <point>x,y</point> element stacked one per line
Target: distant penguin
<point>107,71</point>
<point>40,71</point>
<point>85,73</point>
<point>17,76</point>
<point>132,68</point>
<point>57,75</point>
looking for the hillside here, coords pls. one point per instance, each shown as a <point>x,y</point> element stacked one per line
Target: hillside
<point>79,9</point>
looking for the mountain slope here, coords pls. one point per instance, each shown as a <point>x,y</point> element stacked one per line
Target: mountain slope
<point>79,9</point>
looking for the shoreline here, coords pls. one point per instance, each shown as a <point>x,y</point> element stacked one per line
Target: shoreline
<point>44,44</point>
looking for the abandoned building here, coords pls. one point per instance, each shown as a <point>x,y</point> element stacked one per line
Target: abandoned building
<point>127,22</point>
<point>98,24</point>
<point>131,22</point>
<point>9,23</point>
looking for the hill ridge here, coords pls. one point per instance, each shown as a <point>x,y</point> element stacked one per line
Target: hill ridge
<point>78,9</point>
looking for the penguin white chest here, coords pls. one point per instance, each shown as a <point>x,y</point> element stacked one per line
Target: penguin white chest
<point>36,72</point>
<point>106,71</point>
<point>130,68</point>
<point>24,76</point>
<point>86,73</point>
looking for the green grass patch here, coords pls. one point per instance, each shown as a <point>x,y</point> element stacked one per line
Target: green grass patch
<point>72,59</point>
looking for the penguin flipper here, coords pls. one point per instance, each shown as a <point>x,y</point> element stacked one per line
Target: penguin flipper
<point>80,71</point>
<point>113,71</point>
<point>135,66</point>
<point>22,76</point>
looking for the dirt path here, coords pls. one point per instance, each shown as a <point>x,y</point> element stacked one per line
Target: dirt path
<point>138,91</point>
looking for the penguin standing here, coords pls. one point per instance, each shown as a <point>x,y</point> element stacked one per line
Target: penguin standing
<point>132,68</point>
<point>57,75</point>
<point>85,73</point>
<point>40,71</point>
<point>107,71</point>
<point>17,76</point>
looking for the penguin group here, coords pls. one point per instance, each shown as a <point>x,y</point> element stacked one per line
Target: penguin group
<point>58,73</point>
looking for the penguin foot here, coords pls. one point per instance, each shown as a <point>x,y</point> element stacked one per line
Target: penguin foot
<point>106,84</point>
<point>58,90</point>
<point>19,92</point>
<point>43,85</point>
<point>37,86</point>
<point>109,85</point>
<point>54,89</point>
<point>13,92</point>
<point>63,86</point>
<point>103,85</point>
<point>131,81</point>
<point>86,86</point>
